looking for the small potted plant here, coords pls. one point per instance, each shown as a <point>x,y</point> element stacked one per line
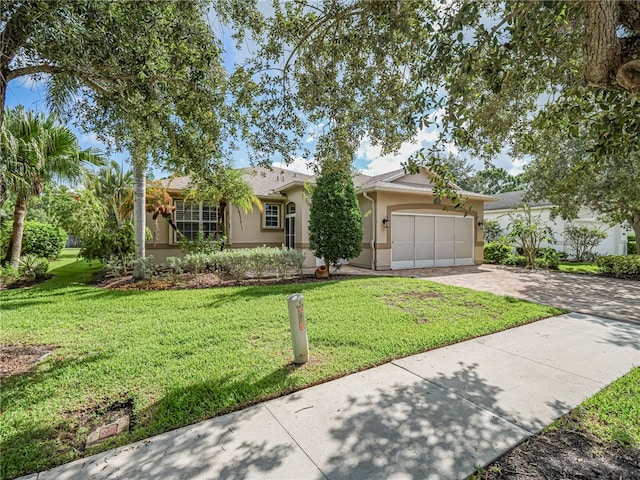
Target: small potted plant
<point>322,272</point>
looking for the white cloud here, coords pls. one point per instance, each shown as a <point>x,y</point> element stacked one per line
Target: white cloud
<point>91,139</point>
<point>378,163</point>
<point>299,164</point>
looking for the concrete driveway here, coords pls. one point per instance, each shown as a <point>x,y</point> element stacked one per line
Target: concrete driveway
<point>589,294</point>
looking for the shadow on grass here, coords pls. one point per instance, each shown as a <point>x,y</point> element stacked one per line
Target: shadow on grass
<point>18,389</point>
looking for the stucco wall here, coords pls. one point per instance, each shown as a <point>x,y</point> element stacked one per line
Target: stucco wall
<point>614,244</point>
<point>367,209</point>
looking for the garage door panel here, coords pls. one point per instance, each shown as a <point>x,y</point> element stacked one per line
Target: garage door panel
<point>464,252</point>
<point>403,251</point>
<point>426,240</point>
<point>424,228</point>
<point>402,228</point>
<point>464,229</point>
<point>445,229</point>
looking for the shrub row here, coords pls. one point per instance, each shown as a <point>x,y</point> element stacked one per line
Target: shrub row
<point>240,263</point>
<point>621,266</point>
<point>504,254</point>
<point>236,264</point>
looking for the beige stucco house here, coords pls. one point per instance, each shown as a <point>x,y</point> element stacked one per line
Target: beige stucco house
<point>405,226</point>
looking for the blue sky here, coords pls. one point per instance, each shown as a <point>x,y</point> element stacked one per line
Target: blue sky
<point>369,159</point>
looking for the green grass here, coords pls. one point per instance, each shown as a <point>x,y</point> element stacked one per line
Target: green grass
<point>177,357</point>
<point>613,414</point>
<point>573,267</point>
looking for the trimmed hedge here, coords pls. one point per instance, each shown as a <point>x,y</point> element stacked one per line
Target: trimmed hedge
<point>620,266</point>
<point>243,262</point>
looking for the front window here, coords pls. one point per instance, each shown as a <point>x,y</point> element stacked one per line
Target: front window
<point>192,218</point>
<point>271,215</point>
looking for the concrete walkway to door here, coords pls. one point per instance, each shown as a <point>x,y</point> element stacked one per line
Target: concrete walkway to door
<point>590,294</point>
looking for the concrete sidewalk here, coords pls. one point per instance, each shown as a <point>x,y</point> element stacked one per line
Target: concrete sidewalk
<point>435,415</point>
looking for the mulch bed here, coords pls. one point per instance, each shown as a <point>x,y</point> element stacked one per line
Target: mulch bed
<point>565,454</point>
<point>190,281</point>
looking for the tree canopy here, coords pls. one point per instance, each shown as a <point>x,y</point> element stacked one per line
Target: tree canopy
<point>494,72</point>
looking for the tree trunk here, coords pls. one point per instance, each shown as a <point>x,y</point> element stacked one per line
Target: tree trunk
<point>139,215</point>
<point>635,225</point>
<point>15,244</point>
<point>3,95</point>
<point>602,46</point>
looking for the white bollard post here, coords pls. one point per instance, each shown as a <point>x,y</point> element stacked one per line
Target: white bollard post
<point>298,324</point>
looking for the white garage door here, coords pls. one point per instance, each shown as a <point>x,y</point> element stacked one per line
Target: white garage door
<point>419,241</point>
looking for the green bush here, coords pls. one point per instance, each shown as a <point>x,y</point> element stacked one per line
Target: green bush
<point>111,244</point>
<point>202,244</point>
<point>621,266</point>
<point>496,252</point>
<point>40,239</point>
<point>515,260</point>
<point>8,275</point>
<point>492,231</point>
<point>582,240</point>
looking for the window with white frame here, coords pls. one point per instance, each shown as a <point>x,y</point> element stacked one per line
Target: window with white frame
<point>271,217</point>
<point>191,218</point>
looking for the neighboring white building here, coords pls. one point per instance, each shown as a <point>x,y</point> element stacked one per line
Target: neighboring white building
<point>511,202</point>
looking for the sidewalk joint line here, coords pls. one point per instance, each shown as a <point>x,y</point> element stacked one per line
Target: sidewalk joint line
<point>483,408</point>
<point>295,441</point>
<point>542,363</point>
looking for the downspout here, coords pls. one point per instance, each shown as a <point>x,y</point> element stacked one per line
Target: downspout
<point>373,229</point>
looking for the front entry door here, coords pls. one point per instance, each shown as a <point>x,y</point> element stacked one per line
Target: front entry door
<point>290,226</point>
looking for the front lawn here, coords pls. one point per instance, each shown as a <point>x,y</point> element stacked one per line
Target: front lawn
<point>575,267</point>
<point>171,358</point>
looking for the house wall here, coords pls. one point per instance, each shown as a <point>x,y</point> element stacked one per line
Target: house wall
<point>365,259</point>
<point>614,244</point>
<point>246,229</point>
<point>387,203</point>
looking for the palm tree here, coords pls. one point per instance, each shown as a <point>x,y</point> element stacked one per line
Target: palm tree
<point>224,186</point>
<point>114,187</point>
<point>36,151</point>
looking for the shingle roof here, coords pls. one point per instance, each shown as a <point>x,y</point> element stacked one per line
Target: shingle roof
<point>268,182</point>
<point>509,200</point>
<point>265,182</point>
